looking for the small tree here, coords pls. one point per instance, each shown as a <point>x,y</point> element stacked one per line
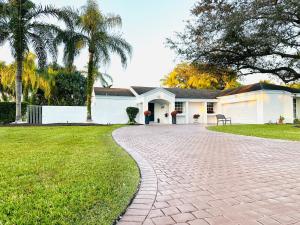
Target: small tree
<point>132,113</point>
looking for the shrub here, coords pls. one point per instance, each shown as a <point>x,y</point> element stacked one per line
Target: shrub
<point>296,121</point>
<point>8,111</point>
<point>132,113</point>
<point>281,120</point>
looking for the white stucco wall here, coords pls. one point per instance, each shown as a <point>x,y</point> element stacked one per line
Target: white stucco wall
<point>63,114</point>
<point>276,104</point>
<point>112,110</point>
<point>257,107</point>
<point>197,108</point>
<point>242,108</point>
<point>160,109</point>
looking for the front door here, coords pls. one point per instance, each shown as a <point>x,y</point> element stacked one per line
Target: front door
<point>151,108</point>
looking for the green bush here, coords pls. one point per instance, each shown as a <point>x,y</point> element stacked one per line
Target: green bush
<point>296,121</point>
<point>132,112</point>
<point>8,111</point>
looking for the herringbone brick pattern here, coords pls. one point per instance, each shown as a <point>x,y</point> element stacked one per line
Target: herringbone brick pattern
<point>191,176</point>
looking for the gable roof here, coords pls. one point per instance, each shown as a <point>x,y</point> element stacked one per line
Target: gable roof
<point>194,93</point>
<point>182,93</point>
<point>257,87</point>
<point>113,92</point>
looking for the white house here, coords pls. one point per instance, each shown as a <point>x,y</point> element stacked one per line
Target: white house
<point>252,104</point>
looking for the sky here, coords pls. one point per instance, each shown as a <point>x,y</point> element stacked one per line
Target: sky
<point>146,25</point>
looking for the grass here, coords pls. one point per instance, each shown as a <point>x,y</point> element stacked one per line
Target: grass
<point>63,175</point>
<point>285,132</point>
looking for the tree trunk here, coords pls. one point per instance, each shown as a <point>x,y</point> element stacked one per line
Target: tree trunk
<point>90,84</point>
<point>19,90</point>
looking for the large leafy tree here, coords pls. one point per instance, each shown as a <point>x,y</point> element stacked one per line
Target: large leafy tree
<point>195,76</point>
<point>101,42</point>
<point>70,89</point>
<point>250,36</point>
<point>22,27</point>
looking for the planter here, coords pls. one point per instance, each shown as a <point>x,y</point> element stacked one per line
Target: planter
<point>147,119</point>
<point>195,120</point>
<point>173,120</point>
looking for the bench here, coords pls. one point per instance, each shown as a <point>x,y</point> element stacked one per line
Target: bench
<point>223,119</point>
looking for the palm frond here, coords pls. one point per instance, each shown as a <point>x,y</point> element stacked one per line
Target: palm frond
<point>105,79</point>
<point>119,46</point>
<point>66,14</point>
<point>111,21</point>
<point>39,46</point>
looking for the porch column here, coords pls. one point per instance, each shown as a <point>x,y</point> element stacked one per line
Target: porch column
<point>205,113</point>
<point>171,109</point>
<point>187,112</point>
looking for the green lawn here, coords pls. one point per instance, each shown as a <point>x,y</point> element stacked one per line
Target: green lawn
<point>286,132</point>
<point>63,175</point>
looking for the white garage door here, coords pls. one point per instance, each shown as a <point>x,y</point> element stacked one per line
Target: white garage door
<point>241,112</point>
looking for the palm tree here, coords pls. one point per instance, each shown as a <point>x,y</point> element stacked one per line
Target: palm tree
<point>101,42</point>
<point>21,26</point>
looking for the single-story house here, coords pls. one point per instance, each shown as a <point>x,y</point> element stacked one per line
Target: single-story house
<point>251,104</point>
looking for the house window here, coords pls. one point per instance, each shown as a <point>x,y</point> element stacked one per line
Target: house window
<point>210,107</point>
<point>179,107</point>
<point>295,108</point>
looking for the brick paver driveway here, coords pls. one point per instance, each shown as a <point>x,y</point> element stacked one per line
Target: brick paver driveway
<point>197,177</point>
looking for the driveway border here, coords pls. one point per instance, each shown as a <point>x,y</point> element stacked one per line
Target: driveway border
<point>140,207</point>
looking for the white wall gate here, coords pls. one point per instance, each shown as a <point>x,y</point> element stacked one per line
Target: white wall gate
<point>34,114</point>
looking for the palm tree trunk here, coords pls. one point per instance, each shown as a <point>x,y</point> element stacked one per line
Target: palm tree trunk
<point>19,90</point>
<point>90,84</point>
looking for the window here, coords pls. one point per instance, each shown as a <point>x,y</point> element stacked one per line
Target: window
<point>210,107</point>
<point>179,107</point>
<point>295,108</point>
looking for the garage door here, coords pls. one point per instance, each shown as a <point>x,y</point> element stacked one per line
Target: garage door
<point>241,112</point>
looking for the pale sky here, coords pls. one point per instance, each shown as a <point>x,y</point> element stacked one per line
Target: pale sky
<point>146,25</point>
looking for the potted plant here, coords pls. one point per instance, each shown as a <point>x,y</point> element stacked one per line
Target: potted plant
<point>174,114</point>
<point>281,120</point>
<point>166,115</point>
<point>147,116</point>
<point>196,117</point>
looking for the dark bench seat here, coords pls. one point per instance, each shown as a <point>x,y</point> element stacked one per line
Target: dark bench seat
<point>223,119</point>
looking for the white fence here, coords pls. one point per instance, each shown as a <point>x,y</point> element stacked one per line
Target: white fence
<point>64,114</point>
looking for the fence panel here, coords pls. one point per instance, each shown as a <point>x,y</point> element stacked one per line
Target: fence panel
<point>34,114</point>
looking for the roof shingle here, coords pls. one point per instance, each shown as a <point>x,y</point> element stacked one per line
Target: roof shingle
<point>113,92</point>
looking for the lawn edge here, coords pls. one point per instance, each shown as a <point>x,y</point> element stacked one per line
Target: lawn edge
<point>257,137</point>
<point>147,175</point>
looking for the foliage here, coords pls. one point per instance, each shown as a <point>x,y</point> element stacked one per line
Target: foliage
<point>285,132</point>
<point>281,120</point>
<point>22,27</point>
<point>8,111</point>
<point>250,36</point>
<point>196,116</point>
<point>52,85</point>
<point>294,85</point>
<point>132,113</point>
<point>70,89</point>
<point>30,77</point>
<point>64,175</point>
<point>296,121</point>
<point>201,76</point>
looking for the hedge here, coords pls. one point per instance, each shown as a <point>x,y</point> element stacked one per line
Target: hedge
<point>8,111</point>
